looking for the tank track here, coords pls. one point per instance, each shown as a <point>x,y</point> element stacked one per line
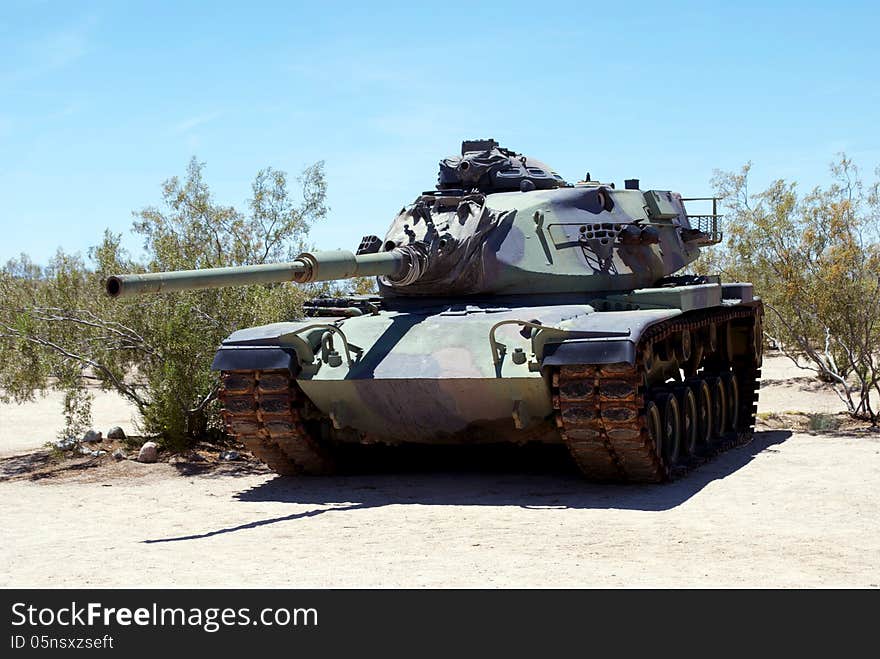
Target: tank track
<point>600,409</point>
<point>264,411</point>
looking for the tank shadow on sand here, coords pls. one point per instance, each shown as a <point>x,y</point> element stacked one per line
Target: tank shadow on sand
<point>43,465</point>
<point>532,477</point>
<point>18,466</point>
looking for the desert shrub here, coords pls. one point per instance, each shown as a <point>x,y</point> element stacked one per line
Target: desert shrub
<point>58,329</point>
<point>823,422</point>
<point>815,260</point>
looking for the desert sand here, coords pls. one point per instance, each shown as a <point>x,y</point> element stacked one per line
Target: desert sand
<point>31,425</point>
<point>790,509</point>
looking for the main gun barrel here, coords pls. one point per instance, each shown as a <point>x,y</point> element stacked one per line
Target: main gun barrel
<point>307,267</point>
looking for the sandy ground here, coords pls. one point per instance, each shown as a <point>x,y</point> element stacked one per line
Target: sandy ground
<point>785,387</point>
<point>31,425</point>
<point>789,509</point>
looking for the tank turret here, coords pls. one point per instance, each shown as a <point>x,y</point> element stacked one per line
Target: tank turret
<point>498,223</point>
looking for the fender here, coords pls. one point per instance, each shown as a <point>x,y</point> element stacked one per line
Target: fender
<point>269,347</point>
<point>250,358</point>
<point>589,351</point>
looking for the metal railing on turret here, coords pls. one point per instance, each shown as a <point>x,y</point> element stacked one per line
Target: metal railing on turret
<point>707,223</point>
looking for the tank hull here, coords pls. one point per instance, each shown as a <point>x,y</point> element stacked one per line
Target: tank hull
<point>475,373</point>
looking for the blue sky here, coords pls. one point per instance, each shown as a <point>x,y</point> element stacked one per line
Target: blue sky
<point>101,101</point>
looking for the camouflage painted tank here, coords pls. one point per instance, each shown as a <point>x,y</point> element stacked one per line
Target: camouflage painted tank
<point>513,307</point>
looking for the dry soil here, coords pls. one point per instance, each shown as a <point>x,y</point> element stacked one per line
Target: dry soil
<point>789,509</point>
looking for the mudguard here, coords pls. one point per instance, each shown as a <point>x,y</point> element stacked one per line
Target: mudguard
<point>268,347</point>
<point>601,350</point>
<point>244,358</point>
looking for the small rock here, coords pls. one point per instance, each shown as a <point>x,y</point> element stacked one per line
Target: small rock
<point>95,454</point>
<point>149,452</point>
<point>230,455</point>
<point>195,457</point>
<point>91,437</point>
<point>65,444</point>
<point>119,454</point>
<point>115,433</point>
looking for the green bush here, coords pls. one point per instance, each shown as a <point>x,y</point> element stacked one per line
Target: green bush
<point>824,422</point>
<point>58,329</point>
<point>814,258</point>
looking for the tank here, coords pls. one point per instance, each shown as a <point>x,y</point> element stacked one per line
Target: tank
<point>513,306</point>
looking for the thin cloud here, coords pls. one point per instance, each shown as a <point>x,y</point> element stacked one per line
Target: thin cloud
<point>49,52</point>
<point>192,123</point>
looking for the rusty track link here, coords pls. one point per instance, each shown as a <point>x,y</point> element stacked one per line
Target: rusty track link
<point>263,410</point>
<point>600,409</point>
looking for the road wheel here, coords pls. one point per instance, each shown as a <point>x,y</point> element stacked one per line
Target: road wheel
<point>683,347</point>
<point>732,396</point>
<point>719,406</point>
<point>671,435</point>
<point>712,338</point>
<point>703,396</point>
<point>687,403</point>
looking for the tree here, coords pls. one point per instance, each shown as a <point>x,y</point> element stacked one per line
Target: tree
<point>57,329</point>
<point>815,260</point>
